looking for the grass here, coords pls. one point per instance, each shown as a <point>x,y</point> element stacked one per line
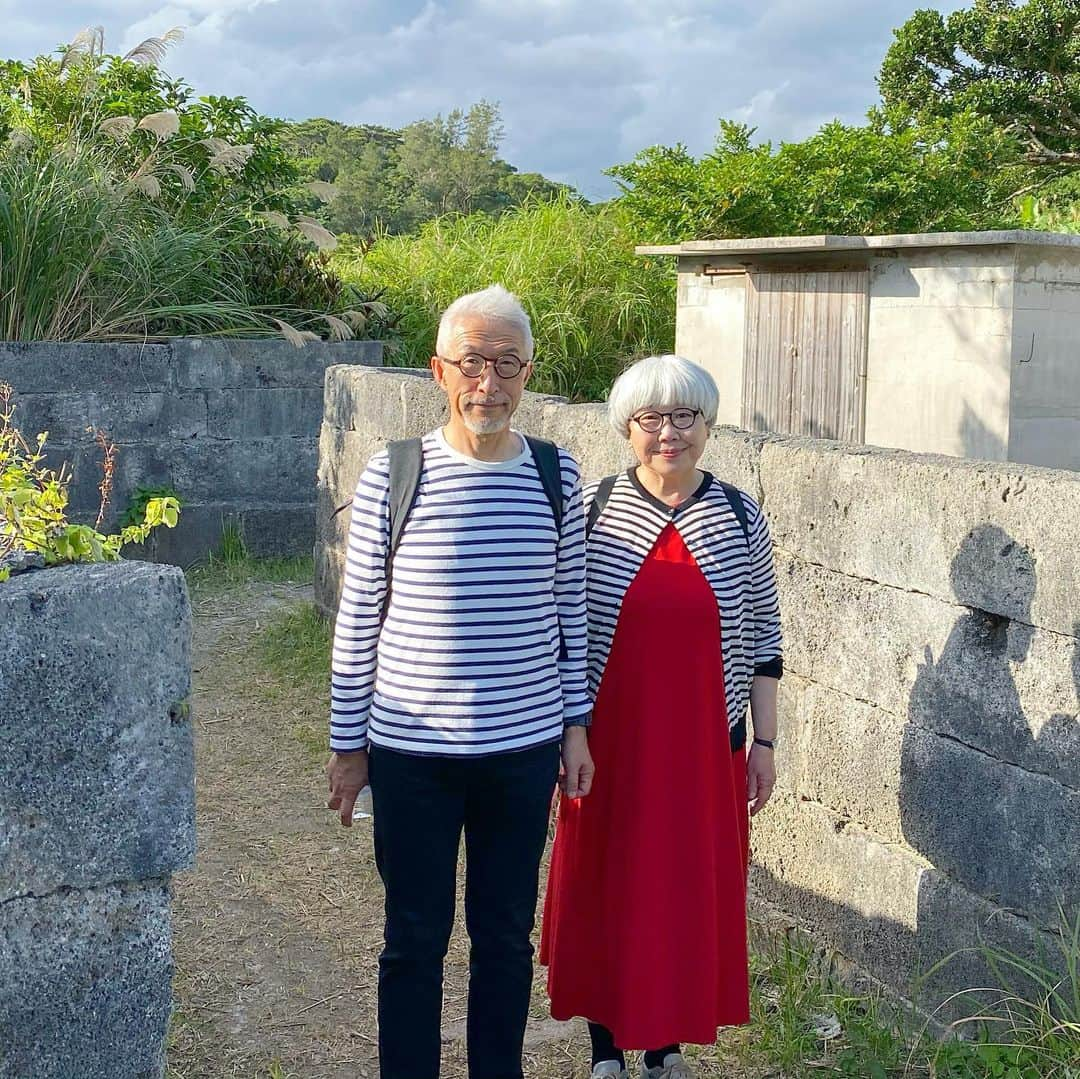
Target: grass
<point>293,652</point>
<point>295,648</point>
<point>1027,1026</point>
<point>233,565</point>
<point>593,303</point>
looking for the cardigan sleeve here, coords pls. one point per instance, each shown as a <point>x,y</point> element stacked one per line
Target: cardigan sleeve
<point>768,643</point>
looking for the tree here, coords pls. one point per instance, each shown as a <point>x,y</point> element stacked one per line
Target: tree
<point>877,178</point>
<point>1016,64</point>
<point>394,181</point>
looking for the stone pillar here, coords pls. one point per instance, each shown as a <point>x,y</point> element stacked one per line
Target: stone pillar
<point>96,813</point>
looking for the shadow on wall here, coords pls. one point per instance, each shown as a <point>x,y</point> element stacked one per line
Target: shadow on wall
<point>950,925</point>
<point>978,439</point>
<point>992,806</point>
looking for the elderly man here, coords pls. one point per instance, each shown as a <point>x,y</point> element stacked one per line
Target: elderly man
<point>458,673</point>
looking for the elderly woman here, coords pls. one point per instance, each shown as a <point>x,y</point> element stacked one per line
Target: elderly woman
<point>645,917</point>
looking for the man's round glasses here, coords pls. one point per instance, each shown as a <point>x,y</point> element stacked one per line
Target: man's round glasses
<point>473,365</point>
<point>682,419</point>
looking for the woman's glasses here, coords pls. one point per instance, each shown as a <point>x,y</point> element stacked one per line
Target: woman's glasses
<point>682,419</point>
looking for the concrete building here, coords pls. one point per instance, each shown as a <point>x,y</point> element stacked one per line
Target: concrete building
<point>961,343</point>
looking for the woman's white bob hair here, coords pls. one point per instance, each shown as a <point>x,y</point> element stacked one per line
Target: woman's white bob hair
<point>661,382</point>
<point>494,302</point>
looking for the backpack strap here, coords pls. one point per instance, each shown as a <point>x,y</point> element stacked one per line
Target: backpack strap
<point>734,496</point>
<point>600,500</point>
<point>546,456</point>
<point>406,464</point>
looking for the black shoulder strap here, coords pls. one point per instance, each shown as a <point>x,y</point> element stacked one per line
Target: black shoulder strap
<point>734,496</point>
<point>406,464</point>
<point>546,456</point>
<point>600,499</point>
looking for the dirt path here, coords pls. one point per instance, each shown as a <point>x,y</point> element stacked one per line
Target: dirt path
<point>278,928</point>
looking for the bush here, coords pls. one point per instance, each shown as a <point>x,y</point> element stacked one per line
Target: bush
<point>593,303</point>
<point>882,177</point>
<point>129,211</point>
<point>33,505</point>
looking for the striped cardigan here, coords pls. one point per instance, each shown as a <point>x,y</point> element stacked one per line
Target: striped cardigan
<point>740,573</point>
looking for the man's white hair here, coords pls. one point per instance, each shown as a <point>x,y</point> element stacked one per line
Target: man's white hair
<point>662,383</point>
<point>492,302</point>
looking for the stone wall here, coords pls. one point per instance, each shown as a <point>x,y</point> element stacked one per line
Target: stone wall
<point>96,813</point>
<point>930,754</point>
<point>232,425</point>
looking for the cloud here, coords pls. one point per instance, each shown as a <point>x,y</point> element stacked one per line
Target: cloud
<point>582,85</point>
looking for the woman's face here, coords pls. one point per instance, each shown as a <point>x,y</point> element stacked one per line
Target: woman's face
<point>669,452</point>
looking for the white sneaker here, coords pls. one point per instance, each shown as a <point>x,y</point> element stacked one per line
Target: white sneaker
<point>675,1066</point>
<point>609,1069</point>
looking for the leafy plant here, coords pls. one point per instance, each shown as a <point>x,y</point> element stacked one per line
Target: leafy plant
<point>593,303</point>
<point>135,511</point>
<point>1018,64</point>
<point>394,181</point>
<point>33,504</point>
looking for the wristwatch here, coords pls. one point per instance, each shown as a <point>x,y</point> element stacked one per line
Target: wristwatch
<point>768,743</point>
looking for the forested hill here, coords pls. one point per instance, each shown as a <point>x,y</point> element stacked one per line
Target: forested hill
<point>398,179</point>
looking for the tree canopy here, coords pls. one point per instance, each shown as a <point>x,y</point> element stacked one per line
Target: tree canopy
<point>395,180</point>
<point>1018,65</point>
<point>978,108</point>
<point>875,178</point>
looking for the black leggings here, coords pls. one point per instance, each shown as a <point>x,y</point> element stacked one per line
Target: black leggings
<point>604,1048</point>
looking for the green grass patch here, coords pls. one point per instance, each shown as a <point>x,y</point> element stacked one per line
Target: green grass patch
<point>295,649</point>
<point>292,654</point>
<point>232,566</point>
<point>804,1021</point>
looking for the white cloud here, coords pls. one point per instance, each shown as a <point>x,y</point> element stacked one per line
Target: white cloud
<point>582,85</point>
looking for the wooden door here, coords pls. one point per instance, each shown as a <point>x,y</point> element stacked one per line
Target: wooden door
<point>804,360</point>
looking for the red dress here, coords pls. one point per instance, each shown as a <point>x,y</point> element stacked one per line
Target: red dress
<point>645,914</point>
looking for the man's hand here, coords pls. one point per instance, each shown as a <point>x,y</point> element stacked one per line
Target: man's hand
<point>348,775</point>
<point>578,767</point>
<point>760,777</point>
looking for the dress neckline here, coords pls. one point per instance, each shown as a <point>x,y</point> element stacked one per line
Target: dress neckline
<point>663,507</point>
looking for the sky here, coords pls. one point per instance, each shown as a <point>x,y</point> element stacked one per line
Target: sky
<point>581,84</point>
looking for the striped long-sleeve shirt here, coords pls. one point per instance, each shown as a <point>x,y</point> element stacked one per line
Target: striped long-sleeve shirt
<point>485,592</point>
<point>739,570</point>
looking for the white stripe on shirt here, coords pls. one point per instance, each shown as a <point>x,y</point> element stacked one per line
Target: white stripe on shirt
<point>468,658</point>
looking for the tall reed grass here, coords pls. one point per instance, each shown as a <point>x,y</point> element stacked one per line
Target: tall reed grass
<point>124,215</point>
<point>593,303</point>
<point>81,259</point>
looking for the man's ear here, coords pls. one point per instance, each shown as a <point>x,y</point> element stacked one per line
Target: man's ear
<point>437,369</point>
<point>527,375</point>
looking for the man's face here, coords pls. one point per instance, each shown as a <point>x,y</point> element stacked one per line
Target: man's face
<point>485,403</point>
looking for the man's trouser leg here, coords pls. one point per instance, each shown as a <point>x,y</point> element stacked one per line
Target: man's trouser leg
<point>506,820</point>
<point>419,806</point>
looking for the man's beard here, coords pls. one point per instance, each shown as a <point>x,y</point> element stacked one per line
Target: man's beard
<point>481,424</point>
<point>486,425</point>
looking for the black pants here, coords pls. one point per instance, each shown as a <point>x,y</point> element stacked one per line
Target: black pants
<point>422,805</point>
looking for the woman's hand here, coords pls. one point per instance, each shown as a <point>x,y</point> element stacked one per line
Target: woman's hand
<point>760,777</point>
